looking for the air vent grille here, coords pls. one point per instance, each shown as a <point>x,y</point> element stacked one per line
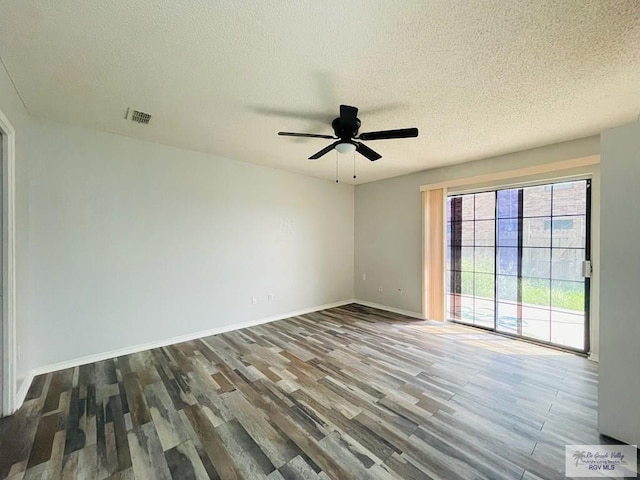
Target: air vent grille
<point>138,116</point>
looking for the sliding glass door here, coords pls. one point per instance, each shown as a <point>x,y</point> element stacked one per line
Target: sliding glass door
<point>515,261</point>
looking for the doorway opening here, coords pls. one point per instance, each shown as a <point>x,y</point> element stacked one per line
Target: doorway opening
<point>518,262</point>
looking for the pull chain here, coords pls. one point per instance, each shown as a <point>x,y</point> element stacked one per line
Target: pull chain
<point>354,165</point>
<point>336,167</point>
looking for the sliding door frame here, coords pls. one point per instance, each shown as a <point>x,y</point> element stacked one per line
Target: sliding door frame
<point>587,280</point>
<point>575,168</point>
<point>519,262</point>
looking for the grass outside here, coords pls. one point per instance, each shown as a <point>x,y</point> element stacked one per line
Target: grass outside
<point>561,294</point>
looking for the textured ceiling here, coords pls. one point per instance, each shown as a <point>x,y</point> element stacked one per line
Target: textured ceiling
<point>477,78</point>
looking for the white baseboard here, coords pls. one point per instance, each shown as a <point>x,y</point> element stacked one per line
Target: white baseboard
<point>594,357</point>
<point>389,309</point>
<point>22,392</point>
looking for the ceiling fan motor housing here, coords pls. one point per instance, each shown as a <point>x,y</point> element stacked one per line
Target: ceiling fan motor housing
<point>345,132</point>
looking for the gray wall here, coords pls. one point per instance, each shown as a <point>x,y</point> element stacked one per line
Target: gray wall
<point>388,239</point>
<point>619,387</point>
<point>388,222</point>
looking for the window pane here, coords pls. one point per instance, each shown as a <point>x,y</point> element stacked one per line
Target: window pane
<point>536,292</point>
<point>455,281</point>
<point>535,323</point>
<point>455,233</point>
<point>466,283</point>
<point>466,309</point>
<point>567,329</point>
<point>507,288</point>
<point>569,198</point>
<point>467,232</point>
<point>535,232</point>
<point>467,259</point>
<point>507,261</point>
<point>484,312</point>
<point>568,232</point>
<point>485,232</point>
<point>485,206</point>
<point>484,260</point>
<point>508,233</point>
<point>454,258</point>
<point>484,285</point>
<point>507,318</point>
<point>467,207</point>
<point>456,208</point>
<point>536,201</point>
<point>567,295</point>
<point>539,234</point>
<point>567,264</point>
<point>452,309</point>
<point>536,262</point>
<point>454,303</point>
<point>508,203</point>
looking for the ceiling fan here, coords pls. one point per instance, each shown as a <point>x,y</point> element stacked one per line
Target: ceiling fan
<point>346,128</point>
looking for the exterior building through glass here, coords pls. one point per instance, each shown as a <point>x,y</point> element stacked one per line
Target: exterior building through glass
<point>514,261</point>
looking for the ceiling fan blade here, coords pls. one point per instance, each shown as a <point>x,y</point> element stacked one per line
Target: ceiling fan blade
<point>365,151</point>
<point>324,151</point>
<point>348,117</point>
<point>385,134</point>
<point>313,135</point>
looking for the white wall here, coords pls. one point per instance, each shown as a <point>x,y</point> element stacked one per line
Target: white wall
<point>619,385</point>
<point>388,237</point>
<point>123,242</point>
<point>132,242</point>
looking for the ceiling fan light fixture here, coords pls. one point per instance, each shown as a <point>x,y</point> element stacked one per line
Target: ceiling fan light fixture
<point>345,147</point>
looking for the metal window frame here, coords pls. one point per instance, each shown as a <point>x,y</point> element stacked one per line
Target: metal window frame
<point>587,281</point>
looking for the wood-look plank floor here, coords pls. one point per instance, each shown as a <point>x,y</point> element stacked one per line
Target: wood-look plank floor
<point>350,392</point>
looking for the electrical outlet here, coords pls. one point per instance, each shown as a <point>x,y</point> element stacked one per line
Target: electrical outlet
<point>254,300</point>
<point>379,289</point>
<point>270,298</point>
<point>364,277</point>
<point>400,292</point>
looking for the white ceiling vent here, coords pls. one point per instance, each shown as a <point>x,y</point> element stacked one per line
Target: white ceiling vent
<point>138,116</point>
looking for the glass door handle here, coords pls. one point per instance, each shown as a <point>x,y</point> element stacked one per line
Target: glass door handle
<point>586,269</point>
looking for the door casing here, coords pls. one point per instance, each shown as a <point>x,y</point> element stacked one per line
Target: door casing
<point>8,372</point>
